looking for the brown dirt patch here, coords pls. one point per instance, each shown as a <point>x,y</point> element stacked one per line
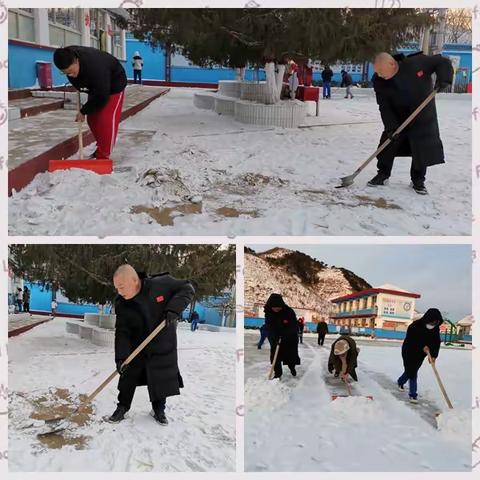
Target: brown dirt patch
<point>234,213</point>
<point>378,202</point>
<point>166,216</point>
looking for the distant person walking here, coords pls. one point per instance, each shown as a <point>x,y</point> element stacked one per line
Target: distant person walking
<point>19,299</point>
<point>54,307</point>
<point>422,334</point>
<point>301,328</point>
<point>195,318</point>
<point>263,336</point>
<point>137,64</point>
<point>322,330</point>
<point>347,82</point>
<point>327,75</point>
<point>26,299</point>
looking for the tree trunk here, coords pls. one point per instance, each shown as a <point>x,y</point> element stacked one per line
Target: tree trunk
<point>240,74</point>
<point>274,82</point>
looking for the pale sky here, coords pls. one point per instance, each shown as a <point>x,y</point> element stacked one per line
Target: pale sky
<point>441,274</point>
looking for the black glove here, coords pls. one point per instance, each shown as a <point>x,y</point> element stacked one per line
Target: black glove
<point>171,318</point>
<point>443,86</point>
<point>391,134</point>
<point>121,370</point>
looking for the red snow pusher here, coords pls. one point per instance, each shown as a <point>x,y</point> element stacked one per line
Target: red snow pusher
<point>102,166</point>
<point>349,390</point>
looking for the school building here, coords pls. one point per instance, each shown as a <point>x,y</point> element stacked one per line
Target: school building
<point>35,33</point>
<point>387,307</point>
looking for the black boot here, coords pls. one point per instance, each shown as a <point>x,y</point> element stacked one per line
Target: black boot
<point>378,179</point>
<point>159,415</point>
<point>293,371</point>
<point>118,415</point>
<point>419,187</point>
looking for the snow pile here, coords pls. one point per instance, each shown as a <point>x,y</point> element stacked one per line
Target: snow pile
<point>453,422</point>
<point>254,180</point>
<point>356,410</point>
<point>201,431</point>
<point>265,394</point>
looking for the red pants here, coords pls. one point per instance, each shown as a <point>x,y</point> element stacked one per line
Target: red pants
<point>104,124</point>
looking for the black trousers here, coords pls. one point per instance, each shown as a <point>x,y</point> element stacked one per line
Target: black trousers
<point>385,165</point>
<point>321,338</point>
<point>137,74</point>
<point>135,374</point>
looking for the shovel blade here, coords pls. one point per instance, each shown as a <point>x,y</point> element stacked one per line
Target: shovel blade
<point>346,181</point>
<point>334,397</point>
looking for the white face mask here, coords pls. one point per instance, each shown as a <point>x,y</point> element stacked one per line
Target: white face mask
<point>430,326</point>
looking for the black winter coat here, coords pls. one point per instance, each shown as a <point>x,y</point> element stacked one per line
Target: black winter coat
<point>137,318</point>
<point>335,363</point>
<point>418,337</point>
<point>346,80</point>
<point>399,96</point>
<point>282,325</point>
<point>322,328</point>
<point>101,75</point>
<point>327,75</point>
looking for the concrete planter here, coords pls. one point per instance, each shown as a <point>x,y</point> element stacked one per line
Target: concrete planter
<point>230,88</point>
<point>13,113</point>
<point>288,114</point>
<point>254,92</point>
<point>72,327</point>
<point>107,321</point>
<point>103,338</point>
<point>85,332</point>
<point>91,319</point>
<point>225,106</point>
<point>204,100</point>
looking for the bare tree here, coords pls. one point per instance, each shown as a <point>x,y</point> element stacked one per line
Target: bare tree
<point>459,24</point>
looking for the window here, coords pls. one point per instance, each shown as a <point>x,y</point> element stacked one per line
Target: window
<point>117,47</point>
<point>21,24</point>
<point>68,17</point>
<point>97,25</point>
<point>64,28</point>
<point>387,310</point>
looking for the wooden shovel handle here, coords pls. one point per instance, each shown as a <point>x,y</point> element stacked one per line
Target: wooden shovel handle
<point>127,361</point>
<point>439,380</point>
<point>80,129</point>
<point>272,368</point>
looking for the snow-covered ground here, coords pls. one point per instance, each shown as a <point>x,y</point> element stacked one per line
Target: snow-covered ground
<point>293,425</point>
<point>199,437</point>
<point>196,172</point>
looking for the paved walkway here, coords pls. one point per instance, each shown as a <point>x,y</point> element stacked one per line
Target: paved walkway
<point>31,136</point>
<point>20,321</point>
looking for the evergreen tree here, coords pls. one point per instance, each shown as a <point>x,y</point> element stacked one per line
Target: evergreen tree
<point>84,272</point>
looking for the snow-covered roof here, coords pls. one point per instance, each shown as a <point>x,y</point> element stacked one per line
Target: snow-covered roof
<point>387,288</point>
<point>390,286</point>
<point>466,322</point>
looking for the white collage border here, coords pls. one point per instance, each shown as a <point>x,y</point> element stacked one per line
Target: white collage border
<point>239,241</point>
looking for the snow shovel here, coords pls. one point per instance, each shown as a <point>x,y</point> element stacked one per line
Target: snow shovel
<point>439,380</point>
<point>348,180</point>
<point>100,165</point>
<point>64,420</point>
<point>272,369</point>
<point>349,390</point>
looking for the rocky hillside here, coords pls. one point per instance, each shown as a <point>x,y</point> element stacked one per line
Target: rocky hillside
<point>304,281</point>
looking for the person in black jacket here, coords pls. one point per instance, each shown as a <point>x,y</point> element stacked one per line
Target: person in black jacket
<point>103,77</point>
<point>327,75</point>
<point>142,304</point>
<point>282,327</point>
<point>347,82</point>
<point>421,334</point>
<point>401,84</point>
<point>322,330</point>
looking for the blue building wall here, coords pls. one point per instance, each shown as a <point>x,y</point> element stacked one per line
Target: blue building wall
<point>41,301</point>
<point>379,333</point>
<point>22,71</point>
<point>22,65</point>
